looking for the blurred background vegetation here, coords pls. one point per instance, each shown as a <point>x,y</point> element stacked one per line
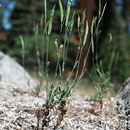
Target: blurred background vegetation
<point>28,13</point>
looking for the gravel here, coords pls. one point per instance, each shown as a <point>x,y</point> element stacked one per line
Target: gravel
<point>18,112</point>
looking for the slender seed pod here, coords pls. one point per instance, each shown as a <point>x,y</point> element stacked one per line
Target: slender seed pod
<point>82,23</point>
<point>22,42</point>
<point>72,22</point>
<point>92,43</point>
<point>110,35</point>
<point>61,11</point>
<point>99,12</point>
<point>68,12</point>
<point>92,27</point>
<point>50,20</point>
<point>78,22</point>
<point>86,34</point>
<point>23,47</point>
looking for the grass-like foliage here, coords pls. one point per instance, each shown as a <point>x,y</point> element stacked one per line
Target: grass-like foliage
<point>58,91</point>
<point>103,84</point>
<point>101,77</point>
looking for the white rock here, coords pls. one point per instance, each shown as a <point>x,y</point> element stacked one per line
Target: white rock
<point>123,102</point>
<point>14,73</point>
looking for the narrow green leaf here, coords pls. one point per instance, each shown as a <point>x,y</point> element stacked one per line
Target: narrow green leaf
<point>82,74</point>
<point>41,21</point>
<point>99,72</point>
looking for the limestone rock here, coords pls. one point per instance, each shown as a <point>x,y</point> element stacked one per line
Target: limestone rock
<point>123,103</point>
<point>13,73</point>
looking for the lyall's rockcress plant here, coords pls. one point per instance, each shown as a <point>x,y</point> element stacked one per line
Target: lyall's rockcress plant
<point>58,92</point>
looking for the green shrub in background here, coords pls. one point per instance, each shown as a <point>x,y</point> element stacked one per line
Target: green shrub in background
<point>118,48</point>
<point>26,13</point>
<point>24,20</point>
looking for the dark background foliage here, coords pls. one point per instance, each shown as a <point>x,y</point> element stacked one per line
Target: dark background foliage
<point>28,13</point>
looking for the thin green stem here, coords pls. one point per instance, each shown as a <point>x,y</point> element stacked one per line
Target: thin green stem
<point>45,6</point>
<point>61,26</point>
<point>64,50</point>
<point>80,52</point>
<point>47,63</point>
<point>57,65</point>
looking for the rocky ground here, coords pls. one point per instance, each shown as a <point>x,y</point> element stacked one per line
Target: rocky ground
<point>18,112</point>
